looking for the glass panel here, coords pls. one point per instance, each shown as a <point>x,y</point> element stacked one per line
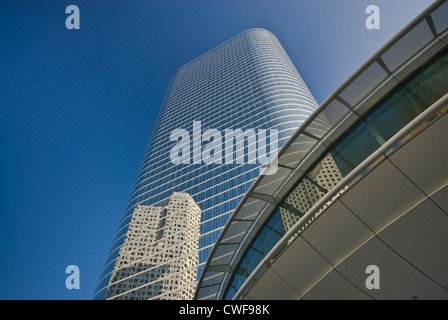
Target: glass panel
<point>319,127</point>
<point>431,83</point>
<point>363,84</point>
<point>407,46</point>
<point>411,99</point>
<point>250,208</point>
<point>334,112</point>
<point>394,113</point>
<point>297,151</point>
<point>233,288</point>
<point>289,213</point>
<point>326,120</point>
<point>354,147</point>
<point>272,232</point>
<point>440,17</point>
<point>270,183</point>
<point>321,179</point>
<point>266,239</point>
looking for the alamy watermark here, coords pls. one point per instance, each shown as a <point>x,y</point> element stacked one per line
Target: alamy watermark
<point>227,147</point>
<point>373,280</point>
<point>72,281</point>
<point>73,20</point>
<point>373,20</point>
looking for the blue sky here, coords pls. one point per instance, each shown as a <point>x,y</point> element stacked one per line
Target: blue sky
<point>77,108</point>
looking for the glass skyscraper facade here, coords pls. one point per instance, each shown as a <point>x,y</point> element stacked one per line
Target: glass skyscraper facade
<point>246,83</point>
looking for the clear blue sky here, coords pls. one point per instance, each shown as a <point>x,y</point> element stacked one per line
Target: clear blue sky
<point>77,108</point>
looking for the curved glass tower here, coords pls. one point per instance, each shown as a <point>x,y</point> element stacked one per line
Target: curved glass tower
<point>247,85</point>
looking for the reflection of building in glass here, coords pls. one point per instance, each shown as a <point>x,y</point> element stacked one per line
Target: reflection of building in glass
<point>316,184</point>
<point>159,258</point>
<point>248,82</point>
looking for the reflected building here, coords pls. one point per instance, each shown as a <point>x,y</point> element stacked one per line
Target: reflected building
<point>316,184</point>
<point>324,176</point>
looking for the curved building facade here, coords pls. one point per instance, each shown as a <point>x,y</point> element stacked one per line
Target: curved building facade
<point>361,186</point>
<point>217,111</point>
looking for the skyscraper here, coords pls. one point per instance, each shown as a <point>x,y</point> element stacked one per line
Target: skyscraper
<point>159,256</point>
<point>245,87</point>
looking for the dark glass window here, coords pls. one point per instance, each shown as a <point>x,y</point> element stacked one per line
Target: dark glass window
<point>266,239</point>
<point>431,83</point>
<point>410,99</point>
<point>354,147</point>
<point>395,113</point>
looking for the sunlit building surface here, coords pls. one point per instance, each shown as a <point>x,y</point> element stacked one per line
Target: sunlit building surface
<point>369,190</point>
<point>159,257</point>
<point>247,83</point>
